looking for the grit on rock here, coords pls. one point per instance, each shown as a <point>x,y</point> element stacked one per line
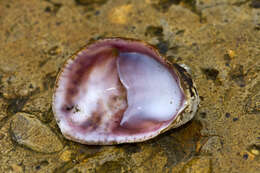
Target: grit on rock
<point>219,40</point>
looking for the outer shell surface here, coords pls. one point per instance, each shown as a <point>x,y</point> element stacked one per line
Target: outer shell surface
<point>121,91</point>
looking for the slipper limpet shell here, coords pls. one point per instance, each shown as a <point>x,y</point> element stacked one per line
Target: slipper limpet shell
<point>118,90</point>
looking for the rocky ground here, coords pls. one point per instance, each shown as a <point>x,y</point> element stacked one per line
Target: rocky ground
<point>218,39</point>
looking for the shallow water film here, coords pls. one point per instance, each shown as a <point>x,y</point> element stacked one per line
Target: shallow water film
<point>219,40</point>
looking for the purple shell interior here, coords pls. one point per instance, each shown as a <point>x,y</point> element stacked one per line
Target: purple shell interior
<point>92,96</point>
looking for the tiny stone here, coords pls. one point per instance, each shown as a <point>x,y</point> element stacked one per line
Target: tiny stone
<point>97,13</point>
<point>203,114</point>
<point>231,53</point>
<point>47,9</point>
<point>66,156</point>
<point>255,151</point>
<point>38,167</point>
<point>245,156</point>
<point>210,73</point>
<point>54,50</point>
<point>235,119</point>
<point>227,115</point>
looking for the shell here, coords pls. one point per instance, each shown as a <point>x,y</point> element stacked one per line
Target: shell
<point>70,82</point>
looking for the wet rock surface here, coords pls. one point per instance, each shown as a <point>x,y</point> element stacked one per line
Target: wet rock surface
<point>28,131</point>
<point>218,40</point>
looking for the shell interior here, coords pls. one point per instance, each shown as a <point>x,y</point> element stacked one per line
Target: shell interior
<point>116,91</point>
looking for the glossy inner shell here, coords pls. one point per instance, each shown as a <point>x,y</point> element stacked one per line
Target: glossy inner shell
<point>116,91</point>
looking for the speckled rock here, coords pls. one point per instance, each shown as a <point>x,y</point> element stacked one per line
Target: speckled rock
<point>40,106</point>
<point>30,132</point>
<point>218,39</point>
<point>212,145</point>
<point>197,165</point>
<point>3,107</point>
<point>252,102</point>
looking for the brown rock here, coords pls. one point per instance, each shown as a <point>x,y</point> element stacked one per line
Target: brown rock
<point>197,165</point>
<point>28,131</point>
<point>203,34</point>
<point>213,145</point>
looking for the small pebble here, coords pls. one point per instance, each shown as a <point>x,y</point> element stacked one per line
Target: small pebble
<point>38,167</point>
<point>66,155</point>
<point>235,119</point>
<point>255,151</point>
<point>227,115</point>
<point>47,9</point>
<point>245,156</point>
<point>231,53</point>
<point>203,114</point>
<point>97,13</point>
